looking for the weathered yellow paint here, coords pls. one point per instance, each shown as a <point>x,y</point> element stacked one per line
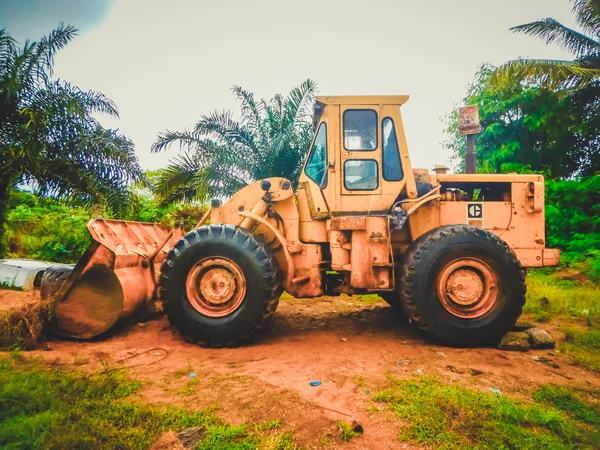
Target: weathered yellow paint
<point>363,100</point>
<point>353,227</point>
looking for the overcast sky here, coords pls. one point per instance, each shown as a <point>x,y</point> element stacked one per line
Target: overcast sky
<point>167,62</point>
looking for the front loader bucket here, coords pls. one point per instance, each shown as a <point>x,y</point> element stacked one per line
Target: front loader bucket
<point>116,276</point>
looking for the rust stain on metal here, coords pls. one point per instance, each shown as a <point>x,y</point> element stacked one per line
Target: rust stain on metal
<point>115,277</point>
<point>468,288</point>
<point>215,286</point>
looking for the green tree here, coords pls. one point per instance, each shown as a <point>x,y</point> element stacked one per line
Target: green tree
<point>530,128</point>
<point>584,45</point>
<point>49,136</point>
<point>573,222</point>
<point>221,155</point>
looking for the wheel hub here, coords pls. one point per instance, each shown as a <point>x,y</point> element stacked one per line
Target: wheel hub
<point>468,288</point>
<point>464,287</point>
<point>215,287</point>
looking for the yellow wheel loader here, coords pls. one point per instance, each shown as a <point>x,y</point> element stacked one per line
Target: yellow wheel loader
<point>448,249</point>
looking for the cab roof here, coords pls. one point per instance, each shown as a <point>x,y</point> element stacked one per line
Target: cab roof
<point>363,99</point>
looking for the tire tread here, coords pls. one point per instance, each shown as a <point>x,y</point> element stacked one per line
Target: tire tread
<point>242,239</point>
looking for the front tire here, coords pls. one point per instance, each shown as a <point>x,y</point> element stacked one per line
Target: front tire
<point>219,285</point>
<point>462,285</point>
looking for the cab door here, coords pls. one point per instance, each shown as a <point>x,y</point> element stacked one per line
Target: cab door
<point>317,183</point>
<point>360,159</point>
<point>371,163</point>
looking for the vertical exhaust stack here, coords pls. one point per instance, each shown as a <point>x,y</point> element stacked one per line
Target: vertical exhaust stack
<point>468,125</point>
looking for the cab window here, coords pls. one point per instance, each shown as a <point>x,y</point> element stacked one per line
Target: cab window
<point>316,166</point>
<point>392,168</point>
<point>360,129</point>
<point>361,175</point>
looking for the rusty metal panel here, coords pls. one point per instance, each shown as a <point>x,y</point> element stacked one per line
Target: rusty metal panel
<point>551,257</point>
<point>124,237</point>
<point>349,223</point>
<point>114,278</point>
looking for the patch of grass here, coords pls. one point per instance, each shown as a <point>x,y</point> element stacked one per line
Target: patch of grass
<point>269,425</point>
<point>240,438</point>
<point>589,339</point>
<point>454,417</point>
<point>571,402</point>
<point>227,438</point>
<point>281,441</point>
<point>548,296</point>
<point>369,299</point>
<point>42,408</point>
<point>326,439</point>
<point>573,303</point>
<point>189,387</point>
<point>541,316</point>
<point>346,430</point>
<point>583,347</point>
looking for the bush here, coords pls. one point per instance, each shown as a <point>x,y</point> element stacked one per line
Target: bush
<point>573,222</point>
<point>45,229</point>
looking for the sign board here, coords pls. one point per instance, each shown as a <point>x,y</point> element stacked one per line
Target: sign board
<point>468,120</point>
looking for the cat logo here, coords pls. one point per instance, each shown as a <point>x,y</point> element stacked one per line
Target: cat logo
<point>474,211</point>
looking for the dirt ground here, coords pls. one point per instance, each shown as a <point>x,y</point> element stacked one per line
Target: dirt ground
<point>10,300</point>
<point>347,344</point>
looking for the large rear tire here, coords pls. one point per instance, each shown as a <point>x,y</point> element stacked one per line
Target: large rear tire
<point>462,285</point>
<point>219,285</point>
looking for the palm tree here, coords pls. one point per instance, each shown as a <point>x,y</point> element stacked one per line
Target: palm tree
<point>221,155</point>
<point>584,45</point>
<point>49,136</point>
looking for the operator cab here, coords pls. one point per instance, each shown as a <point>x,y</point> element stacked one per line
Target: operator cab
<point>358,160</point>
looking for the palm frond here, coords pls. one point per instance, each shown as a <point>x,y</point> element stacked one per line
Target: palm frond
<point>183,180</point>
<point>552,74</point>
<point>187,139</point>
<point>587,16</point>
<point>49,133</point>
<point>222,126</point>
<point>46,49</point>
<point>251,112</point>
<point>551,30</point>
<point>299,102</point>
<point>8,48</point>
<point>275,112</point>
<point>37,58</point>
<point>270,140</point>
<point>64,99</point>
